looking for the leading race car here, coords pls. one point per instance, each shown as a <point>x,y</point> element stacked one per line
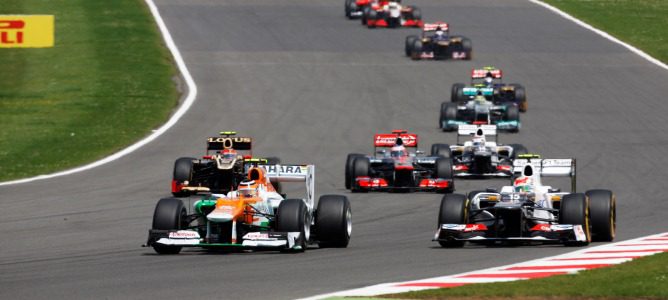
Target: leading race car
<point>437,43</point>
<point>479,111</point>
<point>400,169</point>
<point>219,170</point>
<point>391,14</point>
<point>527,211</point>
<point>488,81</point>
<point>254,216</point>
<point>479,157</point>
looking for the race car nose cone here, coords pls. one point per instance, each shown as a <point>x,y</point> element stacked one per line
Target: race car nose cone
<point>216,216</point>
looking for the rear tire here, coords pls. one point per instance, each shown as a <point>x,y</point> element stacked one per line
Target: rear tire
<point>169,214</point>
<point>454,210</point>
<point>603,214</point>
<point>292,216</point>
<point>575,210</point>
<point>457,93</point>
<point>333,221</point>
<point>183,171</point>
<point>349,168</point>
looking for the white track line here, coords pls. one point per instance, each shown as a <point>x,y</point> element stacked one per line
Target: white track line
<point>602,33</point>
<point>189,100</point>
<point>546,266</point>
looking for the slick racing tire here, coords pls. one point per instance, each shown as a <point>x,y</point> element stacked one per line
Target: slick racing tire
<point>360,168</point>
<point>333,221</point>
<point>443,170</point>
<point>575,210</point>
<point>448,113</point>
<point>520,97</point>
<point>169,214</point>
<point>183,171</point>
<point>292,216</point>
<point>467,46</point>
<point>602,212</point>
<point>409,44</point>
<point>349,169</point>
<point>454,210</point>
<point>441,150</point>
<point>518,150</point>
<point>349,8</point>
<point>513,114</point>
<point>416,49</point>
<point>457,93</point>
<point>365,13</point>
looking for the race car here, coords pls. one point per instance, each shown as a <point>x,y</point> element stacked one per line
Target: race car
<point>528,211</point>
<point>488,80</point>
<point>391,14</point>
<point>437,43</point>
<point>479,157</point>
<point>219,171</point>
<point>254,216</point>
<point>479,111</point>
<point>355,8</point>
<point>399,169</point>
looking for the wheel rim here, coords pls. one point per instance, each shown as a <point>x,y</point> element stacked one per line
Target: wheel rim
<point>307,228</point>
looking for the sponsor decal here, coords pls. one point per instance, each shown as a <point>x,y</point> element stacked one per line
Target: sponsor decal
<point>26,31</point>
<point>256,236</point>
<point>285,169</point>
<point>458,227</point>
<point>184,234</point>
<point>580,236</point>
<point>229,142</point>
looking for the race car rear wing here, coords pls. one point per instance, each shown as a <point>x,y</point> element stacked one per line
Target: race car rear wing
<point>469,130</point>
<point>390,139</point>
<point>218,143</point>
<point>294,173</point>
<point>482,73</point>
<point>548,167</point>
<point>434,26</point>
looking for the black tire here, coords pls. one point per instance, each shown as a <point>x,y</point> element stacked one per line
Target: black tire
<point>603,214</point>
<point>169,214</point>
<point>520,97</point>
<point>443,170</point>
<point>512,113</point>
<point>349,168</point>
<point>518,150</point>
<point>183,171</point>
<point>409,44</point>
<point>416,50</point>
<point>365,12</point>
<point>454,210</point>
<point>292,216</point>
<point>333,221</point>
<point>441,150</point>
<point>372,15</point>
<point>360,168</point>
<point>448,112</point>
<point>575,210</point>
<point>467,46</point>
<point>417,13</point>
<point>349,7</point>
<point>457,93</point>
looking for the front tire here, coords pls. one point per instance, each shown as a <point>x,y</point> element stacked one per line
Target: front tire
<point>603,214</point>
<point>454,210</point>
<point>409,44</point>
<point>448,113</point>
<point>441,150</point>
<point>575,210</point>
<point>349,169</point>
<point>292,216</point>
<point>333,221</point>
<point>169,214</point>
<point>360,168</point>
<point>457,93</point>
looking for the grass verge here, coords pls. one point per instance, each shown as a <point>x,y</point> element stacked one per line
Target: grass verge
<point>641,23</point>
<point>105,84</point>
<point>644,278</point>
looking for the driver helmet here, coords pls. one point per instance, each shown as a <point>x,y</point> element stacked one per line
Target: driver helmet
<point>489,79</point>
<point>479,97</point>
<point>398,151</point>
<point>523,184</point>
<point>248,189</point>
<point>229,154</point>
<point>479,142</point>
<point>439,32</point>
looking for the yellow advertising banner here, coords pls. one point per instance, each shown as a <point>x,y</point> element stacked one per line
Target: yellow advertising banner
<point>26,31</point>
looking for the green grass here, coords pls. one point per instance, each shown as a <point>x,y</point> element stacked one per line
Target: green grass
<point>105,84</point>
<point>645,278</point>
<point>641,23</point>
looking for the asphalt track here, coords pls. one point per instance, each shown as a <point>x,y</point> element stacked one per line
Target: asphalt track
<point>311,86</point>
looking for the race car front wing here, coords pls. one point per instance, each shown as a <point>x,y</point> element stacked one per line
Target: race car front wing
<point>258,239</point>
<point>542,233</point>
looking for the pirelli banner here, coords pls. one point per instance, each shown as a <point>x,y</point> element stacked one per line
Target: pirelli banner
<point>26,31</point>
